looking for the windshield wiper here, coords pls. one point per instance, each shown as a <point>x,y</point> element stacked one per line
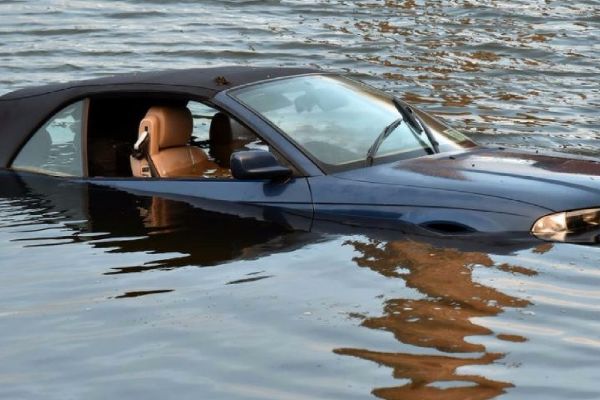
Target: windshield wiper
<point>414,124</point>
<point>412,120</point>
<point>380,138</point>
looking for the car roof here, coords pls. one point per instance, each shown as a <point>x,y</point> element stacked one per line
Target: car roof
<point>208,81</point>
<point>23,111</point>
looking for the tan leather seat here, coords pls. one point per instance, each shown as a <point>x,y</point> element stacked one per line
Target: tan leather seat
<point>226,136</point>
<point>169,152</point>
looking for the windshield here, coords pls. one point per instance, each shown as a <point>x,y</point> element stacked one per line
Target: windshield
<point>337,120</point>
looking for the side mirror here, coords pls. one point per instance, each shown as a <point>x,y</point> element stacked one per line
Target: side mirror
<point>257,164</point>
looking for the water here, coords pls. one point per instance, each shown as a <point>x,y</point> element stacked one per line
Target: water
<point>109,294</point>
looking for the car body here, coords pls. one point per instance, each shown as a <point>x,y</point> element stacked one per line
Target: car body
<point>324,148</point>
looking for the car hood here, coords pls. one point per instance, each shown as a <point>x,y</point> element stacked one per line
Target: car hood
<point>553,182</point>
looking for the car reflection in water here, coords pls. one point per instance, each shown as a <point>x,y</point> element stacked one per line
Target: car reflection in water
<point>198,234</point>
<point>442,320</point>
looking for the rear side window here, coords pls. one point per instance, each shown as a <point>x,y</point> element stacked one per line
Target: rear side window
<point>57,147</point>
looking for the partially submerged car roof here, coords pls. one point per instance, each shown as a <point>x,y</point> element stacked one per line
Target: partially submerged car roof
<point>23,111</point>
<point>208,81</point>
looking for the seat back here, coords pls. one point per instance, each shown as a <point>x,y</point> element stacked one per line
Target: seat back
<point>168,152</point>
<point>226,136</point>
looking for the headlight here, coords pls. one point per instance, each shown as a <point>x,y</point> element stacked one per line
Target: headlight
<point>558,226</point>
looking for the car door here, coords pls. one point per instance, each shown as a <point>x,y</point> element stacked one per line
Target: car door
<point>288,201</point>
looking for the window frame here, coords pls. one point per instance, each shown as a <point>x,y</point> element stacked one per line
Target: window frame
<point>188,97</point>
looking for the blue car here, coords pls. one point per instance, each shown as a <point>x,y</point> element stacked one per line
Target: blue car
<point>315,145</point>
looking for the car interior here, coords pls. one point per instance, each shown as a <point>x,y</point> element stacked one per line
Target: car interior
<point>163,147</point>
<point>162,137</point>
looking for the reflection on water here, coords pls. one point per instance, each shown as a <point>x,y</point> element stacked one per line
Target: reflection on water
<point>187,235</point>
<point>202,237</point>
<point>142,293</point>
<point>442,320</point>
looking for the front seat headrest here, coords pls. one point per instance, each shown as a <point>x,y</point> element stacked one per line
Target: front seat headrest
<point>169,127</point>
<point>225,130</point>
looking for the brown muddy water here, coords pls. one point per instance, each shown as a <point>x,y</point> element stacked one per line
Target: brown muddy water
<point>109,295</point>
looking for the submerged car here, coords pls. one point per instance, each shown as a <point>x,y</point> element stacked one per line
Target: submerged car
<point>315,144</point>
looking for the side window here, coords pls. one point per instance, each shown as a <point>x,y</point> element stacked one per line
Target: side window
<point>174,148</point>
<point>220,136</point>
<point>57,147</point>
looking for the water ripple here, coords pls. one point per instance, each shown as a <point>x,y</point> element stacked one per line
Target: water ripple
<point>98,303</point>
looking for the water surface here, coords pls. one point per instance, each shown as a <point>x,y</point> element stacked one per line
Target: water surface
<point>108,294</point>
